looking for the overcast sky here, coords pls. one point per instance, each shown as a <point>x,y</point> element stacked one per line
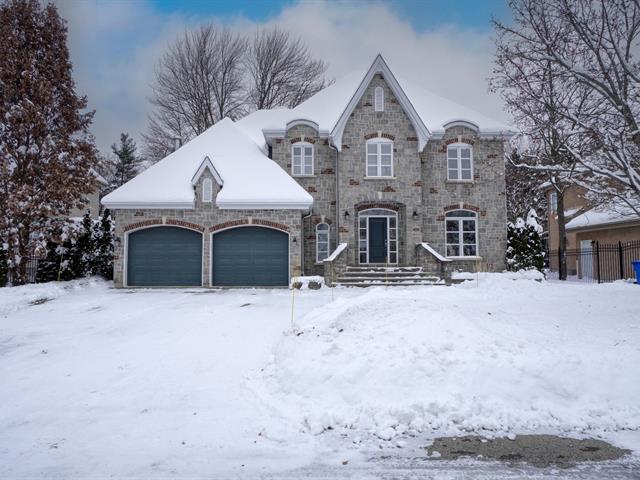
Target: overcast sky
<point>445,45</point>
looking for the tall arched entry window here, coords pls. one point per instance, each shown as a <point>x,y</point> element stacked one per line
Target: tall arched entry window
<point>378,236</point>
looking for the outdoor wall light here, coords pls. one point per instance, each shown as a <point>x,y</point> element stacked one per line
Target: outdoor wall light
<point>415,215</point>
<point>295,241</point>
<point>117,241</point>
<point>346,214</point>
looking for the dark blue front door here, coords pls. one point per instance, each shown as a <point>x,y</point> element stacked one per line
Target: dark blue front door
<point>377,240</point>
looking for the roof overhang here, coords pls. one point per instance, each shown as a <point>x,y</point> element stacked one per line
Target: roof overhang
<point>148,205</point>
<point>233,205</point>
<point>380,66</point>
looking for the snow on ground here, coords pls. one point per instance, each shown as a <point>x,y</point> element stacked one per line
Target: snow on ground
<point>166,383</point>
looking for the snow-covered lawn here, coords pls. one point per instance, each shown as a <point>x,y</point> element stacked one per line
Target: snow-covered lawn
<point>97,382</point>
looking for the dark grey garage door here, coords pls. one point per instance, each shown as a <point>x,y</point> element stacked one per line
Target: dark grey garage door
<point>250,256</point>
<point>164,257</point>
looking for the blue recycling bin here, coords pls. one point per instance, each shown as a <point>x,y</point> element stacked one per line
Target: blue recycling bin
<point>636,267</point>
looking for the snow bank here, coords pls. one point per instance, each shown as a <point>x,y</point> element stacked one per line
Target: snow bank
<point>531,274</point>
<point>504,357</point>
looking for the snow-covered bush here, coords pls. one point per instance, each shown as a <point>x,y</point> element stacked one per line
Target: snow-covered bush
<point>76,249</point>
<point>525,250</point>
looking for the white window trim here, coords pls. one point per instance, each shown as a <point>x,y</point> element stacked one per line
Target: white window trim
<point>328,231</point>
<point>377,141</point>
<point>460,237</point>
<point>553,204</point>
<point>378,105</point>
<point>381,213</point>
<point>207,183</point>
<point>302,145</point>
<point>459,146</point>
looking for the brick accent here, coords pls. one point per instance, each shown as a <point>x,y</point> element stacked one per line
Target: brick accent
<point>306,139</point>
<point>434,190</point>
<point>269,223</point>
<point>412,139</point>
<point>318,220</point>
<point>312,189</point>
<point>345,147</point>
<point>328,171</point>
<point>182,223</point>
<point>492,155</point>
<point>388,189</point>
<point>144,223</point>
<point>465,206</point>
<point>417,183</point>
<point>344,230</point>
<point>353,183</point>
<point>468,206</point>
<point>230,223</point>
<point>388,136</point>
<point>367,205</point>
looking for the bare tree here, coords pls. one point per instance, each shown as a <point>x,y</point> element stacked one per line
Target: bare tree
<point>199,81</point>
<point>536,93</point>
<point>281,70</point>
<point>591,45</point>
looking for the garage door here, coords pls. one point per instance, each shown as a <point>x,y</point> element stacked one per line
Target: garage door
<point>250,256</point>
<point>164,257</point>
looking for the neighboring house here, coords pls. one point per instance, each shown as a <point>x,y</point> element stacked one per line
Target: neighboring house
<point>372,171</point>
<point>587,224</point>
<point>93,203</point>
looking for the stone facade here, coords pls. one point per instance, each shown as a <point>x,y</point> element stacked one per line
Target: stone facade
<point>418,190</point>
<point>208,219</point>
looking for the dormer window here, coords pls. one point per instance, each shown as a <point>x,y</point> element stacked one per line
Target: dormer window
<point>379,158</point>
<point>207,190</point>
<point>302,159</point>
<point>378,99</point>
<point>460,162</point>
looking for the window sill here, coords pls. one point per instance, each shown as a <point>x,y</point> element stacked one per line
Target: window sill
<point>380,178</point>
<point>468,182</point>
<point>303,176</point>
<point>463,259</point>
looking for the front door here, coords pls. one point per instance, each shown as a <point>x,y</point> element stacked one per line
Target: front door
<point>586,259</point>
<point>377,240</point>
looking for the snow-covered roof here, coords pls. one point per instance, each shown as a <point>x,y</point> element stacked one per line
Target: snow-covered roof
<point>602,216</point>
<point>249,179</point>
<point>328,107</point>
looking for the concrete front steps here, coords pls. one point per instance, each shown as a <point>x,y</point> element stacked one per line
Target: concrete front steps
<point>386,276</point>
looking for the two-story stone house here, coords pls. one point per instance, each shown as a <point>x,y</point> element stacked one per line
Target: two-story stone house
<point>372,171</point>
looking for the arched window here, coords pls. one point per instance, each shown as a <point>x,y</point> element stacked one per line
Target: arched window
<point>207,190</point>
<point>379,158</point>
<point>460,162</point>
<point>461,233</point>
<point>302,159</point>
<point>322,241</point>
<point>378,99</point>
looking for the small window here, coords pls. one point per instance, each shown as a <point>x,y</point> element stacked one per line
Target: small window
<point>302,154</point>
<point>322,241</point>
<point>379,158</point>
<point>460,163</point>
<point>378,99</point>
<point>461,233</point>
<point>207,190</point>
<point>553,202</point>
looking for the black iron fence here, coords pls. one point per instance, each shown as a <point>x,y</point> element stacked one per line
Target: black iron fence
<point>32,270</point>
<point>600,262</point>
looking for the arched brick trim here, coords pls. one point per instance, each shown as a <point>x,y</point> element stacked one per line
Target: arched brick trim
<point>303,139</point>
<point>144,223</point>
<point>465,206</point>
<point>244,221</point>
<point>182,223</point>
<point>368,205</point>
<point>388,136</point>
<point>318,220</point>
<point>169,221</point>
<point>231,223</point>
<point>269,223</point>
<point>469,141</point>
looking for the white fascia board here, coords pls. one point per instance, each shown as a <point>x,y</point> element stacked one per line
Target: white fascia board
<point>380,66</point>
<point>147,205</point>
<point>503,134</point>
<point>263,205</point>
<point>272,133</point>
